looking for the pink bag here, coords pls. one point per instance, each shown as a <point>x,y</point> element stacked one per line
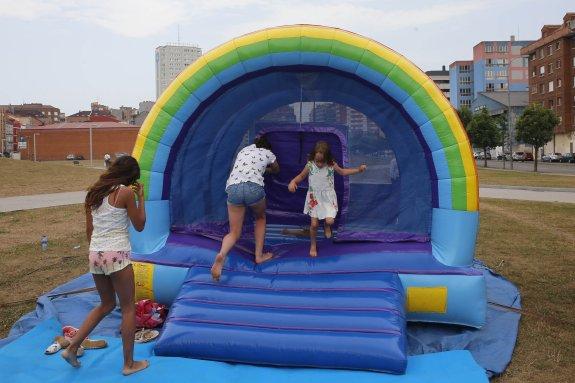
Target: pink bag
<point>150,314</point>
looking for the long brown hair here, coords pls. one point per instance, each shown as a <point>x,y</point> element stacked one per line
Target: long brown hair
<point>124,171</point>
<point>323,148</point>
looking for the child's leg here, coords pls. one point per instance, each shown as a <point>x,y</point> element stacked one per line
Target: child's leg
<point>123,282</point>
<point>236,218</point>
<point>327,227</point>
<point>312,236</point>
<point>259,211</point>
<point>105,289</point>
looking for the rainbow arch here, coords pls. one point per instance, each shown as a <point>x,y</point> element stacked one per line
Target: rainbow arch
<point>455,174</point>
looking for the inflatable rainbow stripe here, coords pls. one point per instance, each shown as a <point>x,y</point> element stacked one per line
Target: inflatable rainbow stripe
<point>455,175</point>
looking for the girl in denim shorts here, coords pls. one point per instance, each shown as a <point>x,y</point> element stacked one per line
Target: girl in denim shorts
<point>245,188</point>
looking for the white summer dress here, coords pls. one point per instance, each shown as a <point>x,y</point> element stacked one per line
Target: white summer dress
<point>321,199</point>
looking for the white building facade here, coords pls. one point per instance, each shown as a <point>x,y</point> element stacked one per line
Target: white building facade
<point>171,60</point>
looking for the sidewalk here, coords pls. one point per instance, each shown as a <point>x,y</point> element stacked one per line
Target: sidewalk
<point>525,193</point>
<point>528,194</point>
<point>41,200</point>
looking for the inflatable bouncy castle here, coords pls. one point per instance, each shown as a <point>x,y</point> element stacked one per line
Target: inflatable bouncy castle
<point>405,232</point>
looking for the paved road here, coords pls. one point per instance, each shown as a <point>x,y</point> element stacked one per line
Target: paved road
<point>505,192</point>
<point>41,200</point>
<point>542,167</point>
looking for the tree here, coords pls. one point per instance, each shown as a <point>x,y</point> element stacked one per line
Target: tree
<point>484,132</point>
<point>535,126</point>
<point>465,115</point>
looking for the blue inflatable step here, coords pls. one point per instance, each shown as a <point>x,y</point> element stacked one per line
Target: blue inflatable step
<point>348,321</point>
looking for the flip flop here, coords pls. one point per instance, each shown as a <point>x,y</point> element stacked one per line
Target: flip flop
<point>60,342</point>
<point>93,344</point>
<point>145,335</point>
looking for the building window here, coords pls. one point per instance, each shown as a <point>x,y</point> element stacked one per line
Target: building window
<point>464,68</point>
<point>542,70</point>
<point>559,101</point>
<point>541,88</point>
<point>502,47</point>
<point>503,86</point>
<point>490,87</point>
<point>488,48</point>
<point>558,64</point>
<point>559,83</point>
<point>489,62</point>
<point>574,61</point>
<point>550,86</point>
<point>549,50</point>
<point>557,45</point>
<point>551,103</point>
<point>489,74</point>
<point>502,73</point>
<point>534,89</point>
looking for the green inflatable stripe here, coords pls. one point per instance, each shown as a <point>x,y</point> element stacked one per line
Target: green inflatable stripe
<point>338,48</point>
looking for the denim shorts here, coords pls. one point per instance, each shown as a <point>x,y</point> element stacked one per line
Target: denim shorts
<point>245,194</point>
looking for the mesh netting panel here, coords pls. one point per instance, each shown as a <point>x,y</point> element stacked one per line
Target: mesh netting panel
<point>295,109</point>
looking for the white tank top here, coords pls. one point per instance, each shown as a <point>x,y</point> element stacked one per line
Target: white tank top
<point>110,228</point>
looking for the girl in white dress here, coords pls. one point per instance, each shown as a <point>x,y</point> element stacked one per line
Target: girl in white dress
<point>321,199</point>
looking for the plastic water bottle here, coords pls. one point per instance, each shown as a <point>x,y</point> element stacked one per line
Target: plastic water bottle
<point>44,243</point>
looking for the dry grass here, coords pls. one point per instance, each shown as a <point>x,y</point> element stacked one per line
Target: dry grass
<point>27,272</point>
<point>532,245</point>
<point>27,177</point>
<point>515,178</point>
<point>529,243</point>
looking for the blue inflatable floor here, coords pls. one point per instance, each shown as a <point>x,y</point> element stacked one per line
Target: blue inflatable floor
<point>351,321</point>
<point>23,361</point>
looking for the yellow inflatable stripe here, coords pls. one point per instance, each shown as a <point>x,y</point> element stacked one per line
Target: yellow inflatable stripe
<point>351,38</point>
<point>317,32</point>
<point>149,122</point>
<point>427,299</point>
<point>139,147</point>
<point>143,280</point>
<point>283,32</point>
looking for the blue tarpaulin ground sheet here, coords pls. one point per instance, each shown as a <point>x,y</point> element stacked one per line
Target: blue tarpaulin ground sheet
<point>491,346</point>
<point>23,361</point>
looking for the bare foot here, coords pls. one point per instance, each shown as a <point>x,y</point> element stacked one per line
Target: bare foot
<point>327,231</point>
<point>71,358</point>
<point>313,252</point>
<point>217,267</point>
<point>264,257</point>
<point>135,367</point>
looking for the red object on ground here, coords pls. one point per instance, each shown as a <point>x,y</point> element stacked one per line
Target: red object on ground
<point>150,314</point>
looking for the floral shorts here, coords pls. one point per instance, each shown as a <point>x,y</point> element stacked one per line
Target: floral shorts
<point>108,262</point>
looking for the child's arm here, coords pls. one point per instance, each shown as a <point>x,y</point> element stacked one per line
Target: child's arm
<point>273,168</point>
<point>136,212</point>
<point>348,172</point>
<point>297,179</point>
<point>89,224</point>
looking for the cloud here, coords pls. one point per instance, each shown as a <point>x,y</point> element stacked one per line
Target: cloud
<point>142,18</point>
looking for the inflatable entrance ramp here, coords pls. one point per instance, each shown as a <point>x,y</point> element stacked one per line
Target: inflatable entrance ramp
<point>353,321</point>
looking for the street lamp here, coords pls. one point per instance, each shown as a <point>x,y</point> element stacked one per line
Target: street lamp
<point>509,110</point>
<point>35,134</point>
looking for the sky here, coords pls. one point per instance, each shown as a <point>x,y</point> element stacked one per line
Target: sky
<point>68,53</point>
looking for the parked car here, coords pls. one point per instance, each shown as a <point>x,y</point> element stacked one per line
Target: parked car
<point>546,158</point>
<point>568,158</point>
<point>71,157</point>
<point>528,156</point>
<point>555,157</point>
<point>481,156</point>
<point>505,156</point>
<point>519,156</point>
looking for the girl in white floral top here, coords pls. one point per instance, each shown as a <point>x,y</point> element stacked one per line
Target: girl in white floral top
<point>321,199</point>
